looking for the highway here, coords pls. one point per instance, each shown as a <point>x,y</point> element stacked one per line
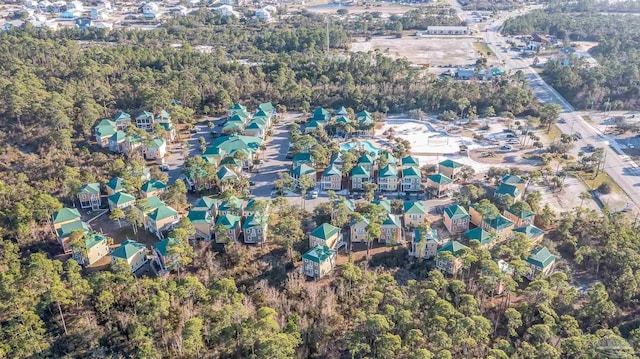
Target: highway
<point>618,166</point>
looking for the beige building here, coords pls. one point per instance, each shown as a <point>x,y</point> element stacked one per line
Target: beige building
<point>318,261</point>
<point>358,230</point>
<point>132,252</point>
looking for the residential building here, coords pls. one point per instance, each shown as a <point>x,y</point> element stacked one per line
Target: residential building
<point>146,206</point>
<point>438,185</point>
<point>226,176</point>
<point>331,179</point>
<point>359,176</point>
<point>153,188</point>
<point>321,114</point>
<point>476,216</point>
<point>385,204</point>
<point>410,161</point>
<point>95,248</point>
<point>391,230</point>
<point>358,230</point>
<point>64,232</point>
<point>318,261</point>
<point>120,200</point>
<point>519,217</point>
<point>122,120</point>
<point>162,219</point>
<point>64,216</point>
<point>103,132</point>
<point>162,254</point>
<point>389,157</point>
<point>89,196</point>
<point>229,145</point>
<point>414,213</point>
<point>336,160</point>
<point>514,180</point>
<point>448,257</point>
<point>388,178</point>
<point>484,238</point>
<point>303,170</point>
<point>256,128</point>
<point>508,189</point>
<point>255,228</point>
<point>326,234</point>
<point>120,142</point>
<point>145,119</point>
<point>207,204</point>
<point>303,158</point>
<point>312,126</point>
<point>425,245</point>
<point>348,205</point>
<point>232,206</point>
<point>411,179</point>
<point>203,223</point>
<point>499,226</point>
<point>255,206</point>
<point>540,261</point>
<point>231,225</point>
<point>132,252</point>
<point>532,232</point>
<point>450,168</point>
<point>226,10</point>
<point>156,150</point>
<point>367,162</point>
<point>115,185</point>
<point>456,219</point>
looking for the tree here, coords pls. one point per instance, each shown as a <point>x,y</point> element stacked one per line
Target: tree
<point>135,219</point>
<point>116,215</point>
<point>549,114</point>
<point>369,189</point>
<point>373,232</point>
<point>176,195</point>
<point>192,337</point>
<point>288,231</point>
<point>466,173</point>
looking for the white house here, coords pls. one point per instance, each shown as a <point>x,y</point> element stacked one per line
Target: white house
<point>226,10</point>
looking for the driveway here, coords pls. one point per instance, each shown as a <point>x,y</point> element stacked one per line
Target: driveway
<point>176,158</point>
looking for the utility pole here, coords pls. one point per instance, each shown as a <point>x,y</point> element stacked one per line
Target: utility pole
<point>327,22</point>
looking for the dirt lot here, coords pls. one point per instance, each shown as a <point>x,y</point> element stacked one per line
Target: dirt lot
<point>385,9</point>
<point>434,50</point>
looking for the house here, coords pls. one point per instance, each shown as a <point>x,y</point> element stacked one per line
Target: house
<point>499,226</point>
<point>153,188</point>
<point>365,120</point>
<point>331,179</point>
<point>203,222</point>
<point>95,248</point>
<point>410,161</point>
<point>450,168</point>
<point>438,185</point>
<point>12,24</point>
<point>347,204</point>
<point>540,260</point>
<point>358,230</point>
<point>207,204</point>
<point>465,73</point>
<point>254,228</point>
<point>411,179</point>
<point>448,30</point>
<point>162,219</point>
<point>385,204</point>
<point>229,145</point>
<point>388,178</point>
<point>122,120</point>
<point>103,132</point>
<point>448,258</point>
<point>64,232</point>
<point>476,216</point>
<point>132,252</point>
<point>231,224</point>
<point>312,126</point>
<point>235,108</point>
<point>89,196</point>
<point>414,213</point>
<point>318,261</point>
<point>256,128</point>
<point>115,185</point>
<point>226,176</point>
<point>336,160</point>
<point>391,230</point>
<point>484,238</point>
<point>302,158</point>
<point>120,200</point>
<point>64,216</point>
<point>456,219</point>
<point>147,205</point>
<point>254,206</point>
<point>321,114</point>
<point>268,108</point>
<point>519,217</point>
<point>366,162</point>
<point>326,234</point>
<point>389,158</point>
<point>156,150</point>
<point>263,14</point>
<point>303,170</point>
<point>425,245</point>
<point>226,10</point>
<point>508,189</point>
<point>162,253</point>
<point>532,232</point>
<point>359,176</point>
<point>120,142</point>
<point>514,180</point>
<point>231,206</point>
<point>145,119</point>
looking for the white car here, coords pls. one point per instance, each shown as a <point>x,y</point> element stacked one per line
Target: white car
<point>313,194</point>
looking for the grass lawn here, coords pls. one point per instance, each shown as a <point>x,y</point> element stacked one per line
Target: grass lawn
<point>552,135</point>
<point>594,183</point>
<point>483,49</point>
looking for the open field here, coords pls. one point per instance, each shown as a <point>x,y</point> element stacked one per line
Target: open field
<point>433,50</point>
<point>386,10</point>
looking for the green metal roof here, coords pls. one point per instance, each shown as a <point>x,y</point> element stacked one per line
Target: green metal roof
<point>541,257</point>
<point>513,179</point>
<point>65,214</point>
<point>163,246</point>
<point>346,202</point>
<point>411,172</point>
<point>456,212</point>
<point>450,164</point>
<point>410,161</point>
<point>332,171</point>
<point>359,171</point>
<point>93,239</point>
<point>385,204</point>
<point>121,116</point>
<point>105,130</point>
<point>234,143</point>
<point>200,217</point>
<point>313,124</point>
<point>255,125</point>
<point>364,113</point>
<point>233,203</point>
<point>206,202</point>
<point>302,170</point>
<point>237,106</point>
<point>144,115</point>
<point>389,157</point>
<point>454,247</point>
<point>529,230</point>
<point>153,185</point>
<point>66,229</point>
<point>439,178</point>
<point>228,221</point>
<point>365,160</point>
<point>118,136</point>
<point>128,249</point>
<point>389,171</point>
<point>212,151</point>
<point>498,223</point>
<point>325,231</point>
<point>430,235</point>
<point>90,188</point>
<point>319,253</point>
<point>391,220</point>
<point>341,111</point>
<point>230,161</point>
<point>162,212</point>
<point>116,184</point>
<point>267,107</point>
<point>224,173</point>
<point>157,143</point>
<point>343,119</point>
<point>521,214</point>
<point>509,189</point>
<point>302,157</point>
<point>164,115</point>
<point>414,207</point>
<point>255,221</point>
<point>121,198</point>
<point>150,203</point>
<point>479,234</point>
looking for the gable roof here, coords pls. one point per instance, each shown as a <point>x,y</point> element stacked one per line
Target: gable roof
<point>232,203</point>
<point>231,144</point>
<point>410,161</point>
<point>267,107</point>
<point>226,174</point>
<point>105,130</point>
<point>454,247</point>
<point>121,116</point>
<point>118,136</point>
<point>541,257</point>
<point>302,157</point>
<point>529,230</point>
<point>411,172</point>
<point>359,171</point>
<point>121,198</point>
<point>65,214</point>
<point>346,202</point>
<point>332,171</point>
<point>66,229</point>
<point>128,249</point>
<point>431,235</point>
<point>116,184</point>
<point>523,214</point>
<point>93,239</point>
<point>302,170</point>
<point>389,171</point>
<point>341,111</point>
<point>479,234</point>
<point>414,207</point>
<point>389,157</point>
<point>513,179</point>
<point>255,221</point>
<point>498,223</point>
<point>343,119</point>
<point>365,159</point>
<point>150,203</point>
<point>391,220</point>
<point>439,178</point>
<point>206,202</point>
<point>456,211</point>
<point>90,188</point>
<point>228,221</point>
<point>163,246</point>
<point>157,143</point>
<point>230,161</point>
<point>200,217</point>
<point>313,124</point>
<point>450,164</point>
<point>384,203</point>
<point>507,189</point>
<point>153,185</point>
<point>162,212</point>
<point>319,253</point>
<point>325,231</point>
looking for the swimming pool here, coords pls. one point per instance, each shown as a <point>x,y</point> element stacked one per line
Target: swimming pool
<point>366,145</point>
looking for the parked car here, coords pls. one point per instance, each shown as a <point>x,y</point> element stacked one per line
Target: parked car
<point>578,135</point>
<point>164,167</point>
<point>591,148</point>
<point>513,142</point>
<point>252,183</point>
<point>313,194</point>
<point>506,148</point>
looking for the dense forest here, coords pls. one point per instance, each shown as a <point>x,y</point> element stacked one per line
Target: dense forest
<point>614,83</point>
